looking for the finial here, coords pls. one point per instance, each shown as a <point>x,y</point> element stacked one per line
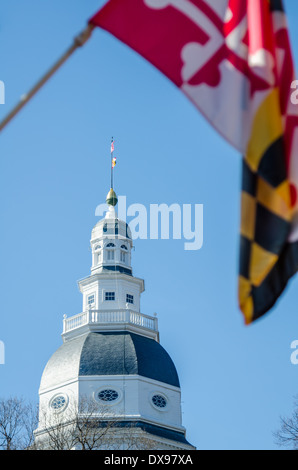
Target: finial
<point>111,199</point>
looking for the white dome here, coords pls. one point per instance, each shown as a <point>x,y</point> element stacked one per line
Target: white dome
<point>111,228</point>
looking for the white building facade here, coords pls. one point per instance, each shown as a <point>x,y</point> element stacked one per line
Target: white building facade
<point>111,355</point>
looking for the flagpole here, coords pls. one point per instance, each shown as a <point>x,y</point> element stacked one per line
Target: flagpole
<point>112,181</point>
<point>79,41</point>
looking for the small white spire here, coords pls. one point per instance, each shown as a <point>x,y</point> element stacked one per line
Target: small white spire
<point>111,213</point>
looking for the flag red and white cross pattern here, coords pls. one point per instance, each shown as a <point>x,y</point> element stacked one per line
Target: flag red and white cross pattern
<point>233,60</point>
<point>114,160</point>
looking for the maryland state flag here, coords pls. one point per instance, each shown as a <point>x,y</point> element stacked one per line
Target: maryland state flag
<point>232,59</point>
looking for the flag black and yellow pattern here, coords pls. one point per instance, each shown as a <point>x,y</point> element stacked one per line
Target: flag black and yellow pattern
<point>267,260</point>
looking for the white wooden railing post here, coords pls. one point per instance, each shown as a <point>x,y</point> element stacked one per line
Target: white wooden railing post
<point>155,322</point>
<point>89,316</point>
<point>64,323</point>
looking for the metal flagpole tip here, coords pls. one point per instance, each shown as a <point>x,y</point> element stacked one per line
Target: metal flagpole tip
<point>111,199</point>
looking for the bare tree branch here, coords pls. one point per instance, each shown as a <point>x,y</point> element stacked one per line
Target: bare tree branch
<point>86,425</point>
<point>17,422</point>
<point>287,435</point>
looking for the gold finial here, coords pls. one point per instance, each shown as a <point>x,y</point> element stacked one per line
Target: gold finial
<point>112,199</point>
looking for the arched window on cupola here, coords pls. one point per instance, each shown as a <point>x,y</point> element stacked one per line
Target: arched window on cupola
<point>123,254</point>
<point>110,251</point>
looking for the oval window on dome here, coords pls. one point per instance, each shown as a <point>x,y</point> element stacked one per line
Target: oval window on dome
<point>59,403</point>
<point>108,395</point>
<point>159,401</point>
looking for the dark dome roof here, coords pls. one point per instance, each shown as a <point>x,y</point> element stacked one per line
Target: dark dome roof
<point>117,353</point>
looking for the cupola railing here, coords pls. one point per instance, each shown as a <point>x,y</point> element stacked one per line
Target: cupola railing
<point>106,317</point>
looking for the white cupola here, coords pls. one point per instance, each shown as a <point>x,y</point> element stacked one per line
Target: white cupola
<point>111,284</point>
<point>111,244</point>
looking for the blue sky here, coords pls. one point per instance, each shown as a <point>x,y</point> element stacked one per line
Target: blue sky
<point>54,170</point>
